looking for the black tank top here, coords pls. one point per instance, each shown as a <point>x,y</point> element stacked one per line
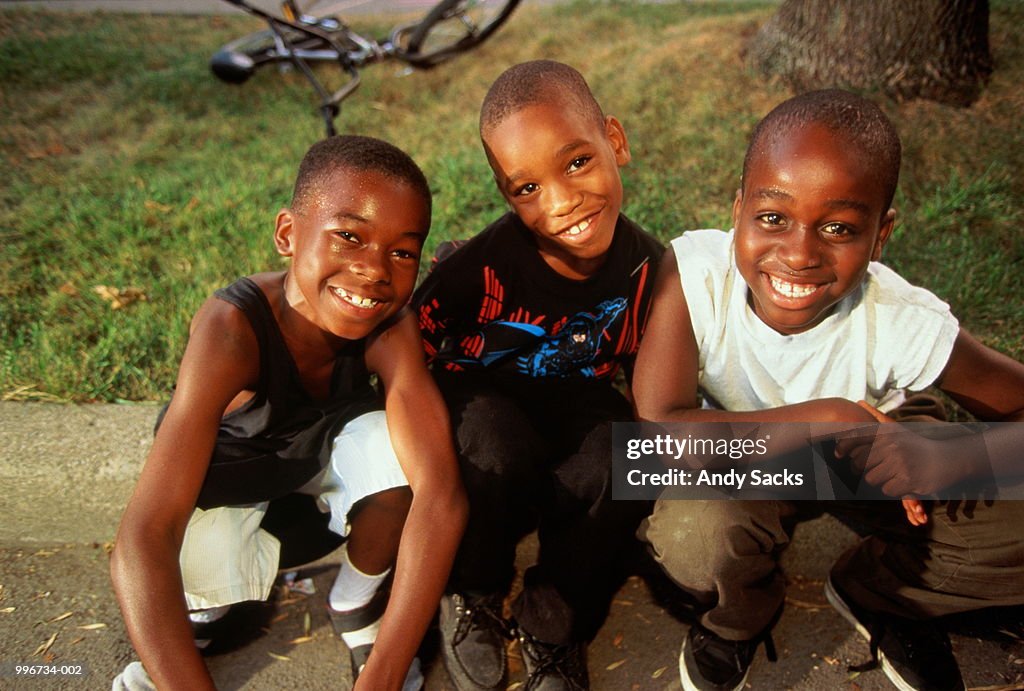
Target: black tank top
<point>281,438</point>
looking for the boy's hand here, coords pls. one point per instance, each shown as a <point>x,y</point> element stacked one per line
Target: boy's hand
<point>916,515</point>
<point>901,463</point>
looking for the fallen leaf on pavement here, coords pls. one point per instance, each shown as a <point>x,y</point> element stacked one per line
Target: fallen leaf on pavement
<point>41,650</point>
<point>805,605</point>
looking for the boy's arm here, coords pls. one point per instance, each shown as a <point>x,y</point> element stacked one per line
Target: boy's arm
<point>987,384</point>
<point>217,365</point>
<point>421,435</point>
<point>665,382</point>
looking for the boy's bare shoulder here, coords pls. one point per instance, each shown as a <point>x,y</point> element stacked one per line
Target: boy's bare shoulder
<point>223,326</point>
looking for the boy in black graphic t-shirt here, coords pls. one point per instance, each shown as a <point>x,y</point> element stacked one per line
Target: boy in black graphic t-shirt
<point>527,326</point>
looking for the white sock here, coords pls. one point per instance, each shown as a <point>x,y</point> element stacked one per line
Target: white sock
<point>205,616</point>
<point>353,588</point>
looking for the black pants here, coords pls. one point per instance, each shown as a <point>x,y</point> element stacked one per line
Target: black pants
<point>539,457</point>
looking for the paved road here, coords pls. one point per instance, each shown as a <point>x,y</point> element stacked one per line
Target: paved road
<point>67,471</point>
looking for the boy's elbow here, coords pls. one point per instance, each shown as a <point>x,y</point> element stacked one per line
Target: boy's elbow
<point>649,411</point>
<point>460,508</point>
<point>454,503</point>
<point>137,545</point>
<point>121,564</point>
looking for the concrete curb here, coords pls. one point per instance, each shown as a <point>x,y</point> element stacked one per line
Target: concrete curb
<point>68,470</point>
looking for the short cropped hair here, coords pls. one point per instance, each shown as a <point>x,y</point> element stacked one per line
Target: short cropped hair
<point>355,152</point>
<point>858,121</point>
<point>538,82</point>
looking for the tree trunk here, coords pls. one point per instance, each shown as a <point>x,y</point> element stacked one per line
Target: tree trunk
<point>933,49</point>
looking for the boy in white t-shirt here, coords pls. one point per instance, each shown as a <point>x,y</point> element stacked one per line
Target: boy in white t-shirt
<point>788,318</point>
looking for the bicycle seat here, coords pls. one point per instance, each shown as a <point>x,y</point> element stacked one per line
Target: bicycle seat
<point>232,67</point>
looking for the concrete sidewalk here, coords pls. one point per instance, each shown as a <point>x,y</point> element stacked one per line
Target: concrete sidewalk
<point>67,471</point>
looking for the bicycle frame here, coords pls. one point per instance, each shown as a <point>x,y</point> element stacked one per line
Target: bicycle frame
<point>366,51</point>
<point>296,38</point>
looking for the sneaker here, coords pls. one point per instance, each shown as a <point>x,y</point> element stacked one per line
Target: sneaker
<point>915,655</point>
<point>708,662</point>
<point>551,667</point>
<point>473,635</point>
<point>366,621</point>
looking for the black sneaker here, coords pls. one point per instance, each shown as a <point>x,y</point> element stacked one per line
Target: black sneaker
<point>473,635</point>
<point>915,655</point>
<point>708,662</point>
<point>552,667</point>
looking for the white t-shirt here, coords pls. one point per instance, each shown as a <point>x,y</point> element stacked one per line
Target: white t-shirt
<point>883,338</point>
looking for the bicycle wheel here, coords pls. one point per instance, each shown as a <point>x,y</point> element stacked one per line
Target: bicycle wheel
<point>453,26</point>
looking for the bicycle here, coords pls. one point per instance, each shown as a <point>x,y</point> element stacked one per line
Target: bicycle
<point>312,33</point>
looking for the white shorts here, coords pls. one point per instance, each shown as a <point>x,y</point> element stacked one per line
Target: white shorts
<point>226,557</point>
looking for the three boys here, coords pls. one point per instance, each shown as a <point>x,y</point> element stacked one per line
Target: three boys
<point>529,322</point>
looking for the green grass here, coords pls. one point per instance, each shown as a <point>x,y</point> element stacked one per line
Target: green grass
<point>126,164</point>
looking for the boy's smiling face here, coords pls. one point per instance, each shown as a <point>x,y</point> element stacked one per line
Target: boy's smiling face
<point>355,246</point>
<point>809,218</point>
<point>559,171</point>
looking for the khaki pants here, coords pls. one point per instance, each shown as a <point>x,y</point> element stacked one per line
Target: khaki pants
<point>725,554</point>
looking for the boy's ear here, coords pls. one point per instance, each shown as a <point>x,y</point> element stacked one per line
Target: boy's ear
<point>617,136</point>
<point>495,172</point>
<point>283,232</point>
<point>736,203</point>
<point>884,232</point>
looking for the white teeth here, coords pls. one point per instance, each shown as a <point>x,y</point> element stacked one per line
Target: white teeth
<point>356,300</point>
<point>792,290</point>
<point>579,227</point>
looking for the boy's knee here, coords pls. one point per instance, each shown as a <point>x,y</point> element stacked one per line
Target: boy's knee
<point>494,436</point>
<point>709,537</point>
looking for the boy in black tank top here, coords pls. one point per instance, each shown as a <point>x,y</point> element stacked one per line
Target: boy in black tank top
<point>273,397</point>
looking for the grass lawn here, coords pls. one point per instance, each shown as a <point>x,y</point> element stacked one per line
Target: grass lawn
<point>129,170</point>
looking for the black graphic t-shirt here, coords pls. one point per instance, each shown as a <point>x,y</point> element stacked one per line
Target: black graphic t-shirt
<point>495,305</point>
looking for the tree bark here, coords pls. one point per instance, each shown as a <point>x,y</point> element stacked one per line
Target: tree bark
<point>932,49</point>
